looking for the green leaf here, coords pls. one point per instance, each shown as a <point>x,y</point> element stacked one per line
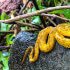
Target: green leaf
<point>66,12</point>
<point>4,59</point>
<point>42,7</point>
<point>23,28</point>
<point>3,26</point>
<point>9,39</point>
<point>5,63</point>
<point>4,16</point>
<point>29,10</point>
<point>5,54</point>
<point>36,20</point>
<point>33,9</point>
<point>57,11</point>
<point>39,2</point>
<point>8,26</point>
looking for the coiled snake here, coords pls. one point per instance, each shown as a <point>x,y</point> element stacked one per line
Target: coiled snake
<point>57,33</point>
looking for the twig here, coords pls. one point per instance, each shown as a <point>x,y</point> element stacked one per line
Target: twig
<point>62,3</point>
<point>34,13</point>
<point>4,37</point>
<point>31,30</point>
<point>51,21</point>
<point>12,31</point>
<point>39,26</point>
<point>55,16</point>
<point>28,24</point>
<point>24,7</point>
<point>4,47</point>
<point>42,20</point>
<point>17,29</point>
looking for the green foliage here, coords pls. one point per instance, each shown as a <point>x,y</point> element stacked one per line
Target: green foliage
<point>39,2</point>
<point>35,19</point>
<point>9,39</point>
<point>52,3</point>
<point>4,27</point>
<point>4,16</point>
<point>4,56</point>
<point>66,12</point>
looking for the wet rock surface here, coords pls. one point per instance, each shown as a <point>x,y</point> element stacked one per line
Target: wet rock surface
<point>57,59</point>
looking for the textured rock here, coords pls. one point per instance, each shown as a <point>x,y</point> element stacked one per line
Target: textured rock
<point>57,59</point>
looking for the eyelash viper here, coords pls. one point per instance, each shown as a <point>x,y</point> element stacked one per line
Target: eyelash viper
<point>54,33</point>
<point>62,31</point>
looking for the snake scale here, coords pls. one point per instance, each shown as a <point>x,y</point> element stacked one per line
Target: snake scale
<point>57,33</point>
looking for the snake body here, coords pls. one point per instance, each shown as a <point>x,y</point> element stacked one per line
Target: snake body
<point>62,31</point>
<point>53,33</point>
<point>46,47</point>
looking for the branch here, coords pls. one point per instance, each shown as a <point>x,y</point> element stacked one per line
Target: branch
<point>17,29</point>
<point>24,7</point>
<point>41,18</point>
<point>4,38</point>
<point>51,21</point>
<point>34,13</point>
<point>12,31</point>
<point>5,47</point>
<point>27,24</point>
<point>55,16</point>
<point>31,30</point>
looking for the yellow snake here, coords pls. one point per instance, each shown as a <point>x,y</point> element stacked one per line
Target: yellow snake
<point>62,31</point>
<point>53,33</point>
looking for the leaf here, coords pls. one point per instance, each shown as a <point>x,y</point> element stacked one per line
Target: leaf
<point>7,27</point>
<point>5,63</point>
<point>9,39</point>
<point>39,2</point>
<point>66,12</point>
<point>36,20</point>
<point>23,28</point>
<point>33,9</point>
<point>3,26</point>
<point>4,16</point>
<point>4,60</point>
<point>57,11</point>
<point>5,54</point>
<point>41,7</point>
<point>29,10</point>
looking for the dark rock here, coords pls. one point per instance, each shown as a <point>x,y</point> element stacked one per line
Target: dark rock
<point>57,59</point>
